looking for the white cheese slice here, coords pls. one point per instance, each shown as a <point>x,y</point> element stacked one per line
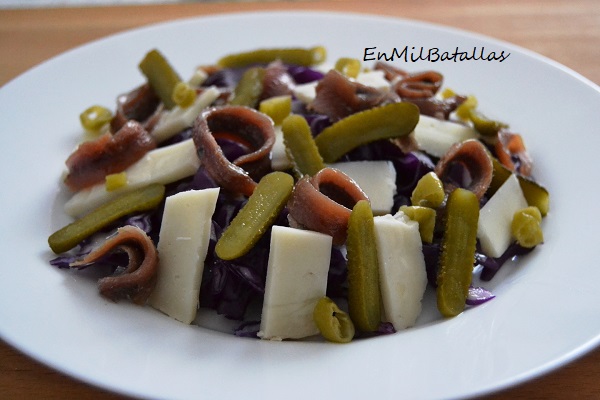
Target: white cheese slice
<point>279,159</point>
<point>182,247</point>
<point>374,78</point>
<point>376,178</point>
<point>306,92</point>
<point>435,136</point>
<point>402,273</point>
<point>495,217</point>
<point>198,77</point>
<point>296,280</point>
<point>177,119</point>
<point>163,165</point>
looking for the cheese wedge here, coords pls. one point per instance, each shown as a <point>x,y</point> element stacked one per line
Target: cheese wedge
<point>376,178</point>
<point>182,248</point>
<point>374,78</point>
<point>174,121</point>
<point>402,273</point>
<point>296,280</point>
<point>279,158</point>
<point>163,165</point>
<point>435,136</point>
<point>306,92</point>
<point>495,217</point>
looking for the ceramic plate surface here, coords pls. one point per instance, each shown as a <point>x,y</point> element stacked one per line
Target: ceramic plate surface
<point>547,306</point>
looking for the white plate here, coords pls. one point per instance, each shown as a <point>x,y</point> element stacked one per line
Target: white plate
<point>546,310</point>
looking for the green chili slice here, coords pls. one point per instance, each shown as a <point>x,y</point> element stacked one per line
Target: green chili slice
<point>429,191</point>
<point>115,181</point>
<point>250,224</point>
<point>277,108</point>
<point>161,76</point>
<point>526,227</point>
<point>334,324</point>
<point>384,122</point>
<point>535,194</point>
<point>484,125</point>
<point>363,269</point>
<point>95,117</point>
<point>458,252</point>
<point>296,56</point>
<point>300,146</point>
<point>425,216</point>
<point>466,108</point>
<point>138,200</point>
<point>249,88</point>
<point>348,66</point>
<point>183,95</point>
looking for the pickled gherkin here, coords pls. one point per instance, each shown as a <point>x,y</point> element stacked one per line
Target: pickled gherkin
<point>139,200</point>
<point>249,88</point>
<point>161,76</point>
<point>363,269</point>
<point>457,252</point>
<point>295,56</point>
<point>385,122</point>
<point>300,146</point>
<point>255,218</point>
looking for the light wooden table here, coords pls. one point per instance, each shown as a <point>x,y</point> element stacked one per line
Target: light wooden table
<point>566,31</point>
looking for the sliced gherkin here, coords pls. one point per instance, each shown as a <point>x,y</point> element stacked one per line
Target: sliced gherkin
<point>385,122</point>
<point>161,76</point>
<point>458,252</point>
<point>363,269</point>
<point>143,199</point>
<point>254,219</point>
<point>295,56</point>
<point>249,88</point>
<point>300,146</point>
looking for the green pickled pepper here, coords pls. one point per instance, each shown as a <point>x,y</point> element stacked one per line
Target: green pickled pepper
<point>333,324</point>
<point>277,107</point>
<point>425,216</point>
<point>526,227</point>
<point>429,191</point>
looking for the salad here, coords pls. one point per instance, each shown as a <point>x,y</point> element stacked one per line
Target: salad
<point>296,197</point>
